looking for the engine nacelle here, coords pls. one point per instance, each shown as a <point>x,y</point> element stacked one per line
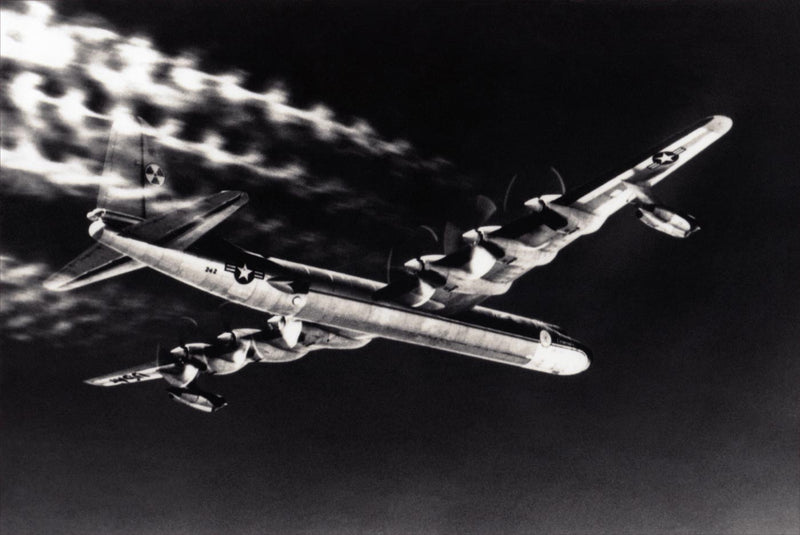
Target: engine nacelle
<point>227,355</point>
<point>419,293</point>
<point>667,221</point>
<point>415,286</point>
<point>481,261</point>
<point>470,263</point>
<point>271,352</point>
<point>311,338</point>
<point>317,337</point>
<point>197,399</point>
<point>232,360</point>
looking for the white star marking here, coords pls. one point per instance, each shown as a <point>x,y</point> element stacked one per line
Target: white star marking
<point>665,158</point>
<point>244,273</point>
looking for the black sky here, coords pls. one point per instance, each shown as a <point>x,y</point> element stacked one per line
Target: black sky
<point>686,422</point>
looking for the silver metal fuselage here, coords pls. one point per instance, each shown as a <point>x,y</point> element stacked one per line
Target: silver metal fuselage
<point>345,302</point>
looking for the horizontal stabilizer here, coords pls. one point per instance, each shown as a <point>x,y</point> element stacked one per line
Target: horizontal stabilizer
<point>177,229</point>
<point>95,264</point>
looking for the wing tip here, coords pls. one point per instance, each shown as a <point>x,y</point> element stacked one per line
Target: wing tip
<point>95,381</point>
<point>719,124</point>
<point>57,282</point>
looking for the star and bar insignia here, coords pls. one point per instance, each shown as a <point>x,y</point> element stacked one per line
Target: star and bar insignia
<point>666,157</point>
<point>243,274</point>
<point>133,377</point>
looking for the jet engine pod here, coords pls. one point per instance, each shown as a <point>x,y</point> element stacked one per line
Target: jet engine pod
<point>197,399</point>
<point>667,221</point>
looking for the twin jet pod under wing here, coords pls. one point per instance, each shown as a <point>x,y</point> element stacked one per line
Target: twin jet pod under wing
<point>434,301</point>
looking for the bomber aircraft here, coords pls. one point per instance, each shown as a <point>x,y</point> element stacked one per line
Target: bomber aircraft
<point>433,300</point>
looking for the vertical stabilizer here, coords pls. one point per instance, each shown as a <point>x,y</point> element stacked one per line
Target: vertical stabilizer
<point>135,195</point>
<point>135,174</point>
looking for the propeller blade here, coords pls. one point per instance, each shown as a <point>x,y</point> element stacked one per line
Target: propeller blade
<point>451,238</point>
<point>421,238</point>
<point>560,179</point>
<point>485,208</point>
<point>508,193</point>
<point>160,356</point>
<point>190,320</point>
<point>187,328</point>
<point>389,266</point>
<point>430,231</point>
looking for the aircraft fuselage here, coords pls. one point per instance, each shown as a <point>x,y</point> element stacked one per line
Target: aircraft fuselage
<point>342,301</point>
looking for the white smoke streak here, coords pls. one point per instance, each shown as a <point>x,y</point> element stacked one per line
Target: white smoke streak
<point>28,311</point>
<point>31,38</point>
<point>66,83</point>
<point>73,172</point>
<point>46,48</point>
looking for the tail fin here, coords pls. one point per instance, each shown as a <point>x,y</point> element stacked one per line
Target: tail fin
<point>136,180</point>
<point>135,170</point>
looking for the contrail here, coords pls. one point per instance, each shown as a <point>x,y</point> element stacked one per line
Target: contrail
<point>67,81</point>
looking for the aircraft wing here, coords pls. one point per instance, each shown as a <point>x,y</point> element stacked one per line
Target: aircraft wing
<point>603,197</point>
<point>553,222</point>
<point>137,374</point>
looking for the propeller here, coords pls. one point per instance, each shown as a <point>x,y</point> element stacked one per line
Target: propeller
<point>538,203</point>
<point>229,336</point>
<point>423,237</point>
<point>477,235</point>
<point>482,211</point>
<point>407,285</point>
<point>416,282</point>
<point>552,170</point>
<point>162,356</point>
<point>180,356</point>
